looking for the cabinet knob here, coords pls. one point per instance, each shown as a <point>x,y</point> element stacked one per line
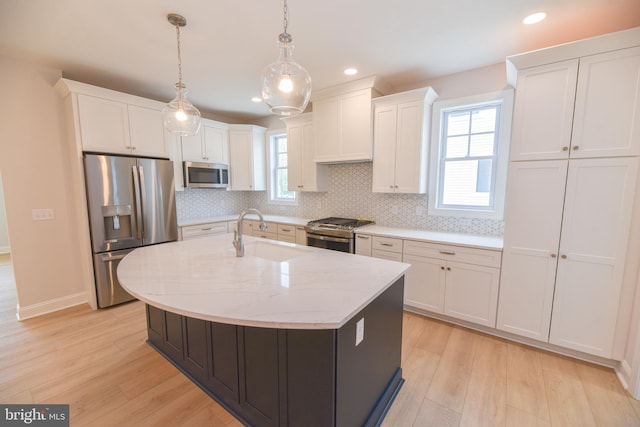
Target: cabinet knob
<point>391,186</point>
<point>554,255</point>
<point>576,147</point>
<point>442,268</point>
<point>563,256</point>
<point>565,148</point>
<point>133,147</point>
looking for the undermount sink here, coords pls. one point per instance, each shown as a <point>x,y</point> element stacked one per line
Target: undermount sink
<point>273,251</point>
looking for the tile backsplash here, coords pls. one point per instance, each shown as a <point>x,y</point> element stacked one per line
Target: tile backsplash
<point>349,195</point>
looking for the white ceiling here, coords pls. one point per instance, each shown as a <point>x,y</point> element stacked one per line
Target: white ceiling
<point>128,45</point>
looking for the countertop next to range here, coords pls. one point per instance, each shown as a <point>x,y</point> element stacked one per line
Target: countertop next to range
<point>275,285</point>
<point>440,237</point>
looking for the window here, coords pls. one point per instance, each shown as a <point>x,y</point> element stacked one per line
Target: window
<point>469,155</point>
<point>278,178</point>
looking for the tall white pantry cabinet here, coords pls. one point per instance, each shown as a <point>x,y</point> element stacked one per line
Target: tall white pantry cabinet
<point>573,179</point>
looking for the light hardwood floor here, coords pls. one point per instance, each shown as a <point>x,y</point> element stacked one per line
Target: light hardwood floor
<point>99,363</point>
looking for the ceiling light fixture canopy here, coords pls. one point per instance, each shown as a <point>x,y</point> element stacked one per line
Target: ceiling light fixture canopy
<point>180,116</point>
<point>286,86</point>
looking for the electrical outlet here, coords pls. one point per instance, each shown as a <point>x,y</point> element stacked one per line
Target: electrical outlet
<point>359,331</point>
<point>42,214</point>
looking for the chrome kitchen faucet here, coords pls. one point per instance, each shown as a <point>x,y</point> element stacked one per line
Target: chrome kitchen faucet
<point>237,234</point>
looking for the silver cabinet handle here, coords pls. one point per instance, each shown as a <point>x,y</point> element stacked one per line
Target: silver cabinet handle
<point>386,244</point>
<point>447,253</point>
<point>286,230</point>
<point>362,237</point>
<point>299,228</point>
<point>206,229</point>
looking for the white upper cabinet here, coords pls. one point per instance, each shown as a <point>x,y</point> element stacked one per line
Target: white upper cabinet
<point>401,132</point>
<point>304,173</point>
<point>607,115</point>
<point>543,111</point>
<point>343,122</point>
<point>247,158</point>
<point>146,131</point>
<point>116,123</point>
<point>210,145</point>
<point>605,89</point>
<point>104,125</point>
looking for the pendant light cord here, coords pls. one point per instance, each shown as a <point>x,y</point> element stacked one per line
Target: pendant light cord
<point>286,16</point>
<point>179,56</point>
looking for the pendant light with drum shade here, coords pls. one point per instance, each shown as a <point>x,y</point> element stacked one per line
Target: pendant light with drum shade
<point>286,86</point>
<point>180,116</point>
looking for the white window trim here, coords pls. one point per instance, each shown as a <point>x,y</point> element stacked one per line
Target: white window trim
<point>271,134</point>
<point>504,138</point>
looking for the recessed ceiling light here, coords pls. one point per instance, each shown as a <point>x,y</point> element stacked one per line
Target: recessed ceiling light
<point>350,71</point>
<point>534,18</point>
<point>256,99</point>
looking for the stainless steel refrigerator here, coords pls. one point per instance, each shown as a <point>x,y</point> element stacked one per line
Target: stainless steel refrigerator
<point>131,203</point>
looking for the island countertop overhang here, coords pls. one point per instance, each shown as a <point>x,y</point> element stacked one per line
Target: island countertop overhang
<point>275,285</point>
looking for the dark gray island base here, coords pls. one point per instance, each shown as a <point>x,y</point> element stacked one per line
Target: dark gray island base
<point>291,377</point>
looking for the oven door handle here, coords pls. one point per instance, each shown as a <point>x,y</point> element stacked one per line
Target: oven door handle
<point>327,238</point>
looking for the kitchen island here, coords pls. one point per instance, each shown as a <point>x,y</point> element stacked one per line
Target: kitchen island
<point>287,335</point>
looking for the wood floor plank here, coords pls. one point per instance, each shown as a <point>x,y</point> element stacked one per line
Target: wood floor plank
<point>568,403</point>
<point>519,418</point>
<point>418,371</point>
<point>525,381</point>
<point>607,399</point>
<point>433,414</point>
<point>449,384</point>
<point>486,401</point>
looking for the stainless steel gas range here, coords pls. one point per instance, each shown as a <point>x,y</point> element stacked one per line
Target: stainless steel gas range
<point>334,233</point>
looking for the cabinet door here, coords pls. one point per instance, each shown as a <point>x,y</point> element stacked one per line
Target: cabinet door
<point>301,236</point>
<point>216,144</point>
<point>424,283</point>
<point>104,125</point>
<point>471,293</point>
<point>326,117</point>
<point>192,149</point>
<point>356,138</point>
<point>593,246</point>
<point>241,160</point>
<point>533,216</point>
<point>146,129</point>
<point>314,175</point>
<point>607,113</point>
<point>543,111</point>
<point>411,149</point>
<point>363,244</point>
<point>384,161</point>
<point>294,158</point>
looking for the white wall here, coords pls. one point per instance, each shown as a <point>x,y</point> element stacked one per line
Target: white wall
<point>4,233</point>
<point>35,164</point>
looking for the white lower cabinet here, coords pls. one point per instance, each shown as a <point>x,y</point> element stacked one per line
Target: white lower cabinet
<point>286,233</point>
<point>301,235</point>
<point>457,281</point>
<point>201,230</point>
<point>565,250</point>
<point>363,244</point>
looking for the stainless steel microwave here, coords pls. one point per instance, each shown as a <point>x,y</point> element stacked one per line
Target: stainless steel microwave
<point>206,175</point>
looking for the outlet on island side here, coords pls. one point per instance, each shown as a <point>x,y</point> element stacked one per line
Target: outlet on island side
<point>359,331</point>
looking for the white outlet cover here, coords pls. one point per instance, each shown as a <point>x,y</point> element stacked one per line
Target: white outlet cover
<point>359,331</point>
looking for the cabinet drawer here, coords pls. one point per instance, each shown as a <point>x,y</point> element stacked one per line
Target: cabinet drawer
<point>289,239</point>
<point>363,244</point>
<point>286,230</point>
<point>254,226</point>
<point>387,244</point>
<point>485,257</point>
<point>391,256</point>
<point>200,230</point>
<point>264,234</point>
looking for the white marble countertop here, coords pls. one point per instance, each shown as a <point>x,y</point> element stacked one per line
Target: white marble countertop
<point>459,239</point>
<point>276,284</point>
<point>268,218</point>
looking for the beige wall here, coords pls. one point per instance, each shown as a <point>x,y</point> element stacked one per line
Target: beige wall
<point>35,163</point>
<point>4,233</point>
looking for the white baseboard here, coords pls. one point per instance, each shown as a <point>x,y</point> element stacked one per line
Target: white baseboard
<point>50,306</point>
<point>5,249</point>
<point>623,372</point>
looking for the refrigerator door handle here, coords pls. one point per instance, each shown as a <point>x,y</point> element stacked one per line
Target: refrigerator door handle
<point>138,208</point>
<point>143,202</point>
